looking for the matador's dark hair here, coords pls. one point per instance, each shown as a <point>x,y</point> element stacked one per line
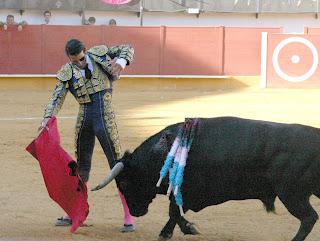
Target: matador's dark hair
<point>74,47</point>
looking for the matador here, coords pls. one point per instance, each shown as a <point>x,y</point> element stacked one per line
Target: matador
<point>89,76</point>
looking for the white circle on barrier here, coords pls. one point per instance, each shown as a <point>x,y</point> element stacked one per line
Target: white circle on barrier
<point>300,78</point>
<point>295,59</point>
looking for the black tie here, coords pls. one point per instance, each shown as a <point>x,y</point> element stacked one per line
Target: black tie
<point>87,72</point>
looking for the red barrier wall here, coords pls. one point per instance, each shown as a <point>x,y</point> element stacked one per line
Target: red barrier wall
<point>147,45</point>
<point>192,50</point>
<point>243,50</point>
<point>54,39</point>
<point>21,51</point>
<point>158,50</point>
<point>4,52</point>
<point>293,61</point>
<point>309,30</point>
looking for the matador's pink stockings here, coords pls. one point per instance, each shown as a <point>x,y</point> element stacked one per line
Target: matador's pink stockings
<point>128,219</point>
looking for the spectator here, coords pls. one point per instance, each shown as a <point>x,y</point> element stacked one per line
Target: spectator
<point>10,22</point>
<point>47,16</point>
<point>89,21</point>
<point>92,20</point>
<point>112,22</point>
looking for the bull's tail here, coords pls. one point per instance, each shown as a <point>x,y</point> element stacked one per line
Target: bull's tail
<point>268,204</point>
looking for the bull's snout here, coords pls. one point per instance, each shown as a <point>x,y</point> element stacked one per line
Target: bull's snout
<point>138,212</point>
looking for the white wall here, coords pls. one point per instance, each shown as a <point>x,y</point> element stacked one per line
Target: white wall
<point>291,23</point>
<point>71,18</point>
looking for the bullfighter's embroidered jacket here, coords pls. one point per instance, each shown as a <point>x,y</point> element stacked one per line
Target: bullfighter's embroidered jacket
<point>70,78</point>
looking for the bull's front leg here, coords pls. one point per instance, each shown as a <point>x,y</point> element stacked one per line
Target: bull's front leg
<point>175,218</point>
<point>187,227</point>
<point>167,232</point>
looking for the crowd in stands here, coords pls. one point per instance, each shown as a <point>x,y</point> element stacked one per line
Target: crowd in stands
<point>92,20</point>
<point>47,16</point>
<point>47,20</point>
<point>11,22</point>
<point>112,22</point>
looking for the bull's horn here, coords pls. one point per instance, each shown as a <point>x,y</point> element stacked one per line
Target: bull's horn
<point>113,173</point>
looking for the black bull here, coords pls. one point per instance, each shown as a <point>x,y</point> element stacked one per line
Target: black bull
<point>230,159</point>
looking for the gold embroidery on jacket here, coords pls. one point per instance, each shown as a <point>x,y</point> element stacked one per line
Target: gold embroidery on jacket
<point>65,73</point>
<point>109,118</point>
<point>70,74</point>
<point>79,124</point>
<point>58,96</point>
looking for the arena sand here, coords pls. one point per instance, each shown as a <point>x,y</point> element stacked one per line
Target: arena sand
<point>143,107</point>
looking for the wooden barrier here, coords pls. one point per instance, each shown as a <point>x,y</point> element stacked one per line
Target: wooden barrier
<point>207,51</point>
<point>292,61</point>
<point>243,50</point>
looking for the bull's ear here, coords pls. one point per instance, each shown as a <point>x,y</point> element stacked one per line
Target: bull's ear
<point>169,138</point>
<point>164,143</point>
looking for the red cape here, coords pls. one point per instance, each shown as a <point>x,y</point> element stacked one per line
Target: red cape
<point>60,174</point>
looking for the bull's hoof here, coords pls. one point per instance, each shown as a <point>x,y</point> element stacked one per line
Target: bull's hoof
<point>162,238</point>
<point>194,230</point>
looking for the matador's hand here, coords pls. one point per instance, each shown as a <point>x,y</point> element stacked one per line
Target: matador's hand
<point>43,124</point>
<point>116,68</point>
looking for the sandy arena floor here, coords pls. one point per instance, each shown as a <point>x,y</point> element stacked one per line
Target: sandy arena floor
<point>143,107</point>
